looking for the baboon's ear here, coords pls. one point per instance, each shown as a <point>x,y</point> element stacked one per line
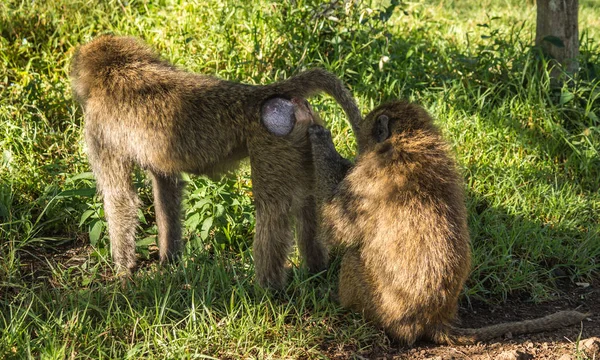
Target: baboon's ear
<point>382,128</point>
<point>277,114</point>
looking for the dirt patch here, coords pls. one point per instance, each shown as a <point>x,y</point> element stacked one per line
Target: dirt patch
<point>563,344</point>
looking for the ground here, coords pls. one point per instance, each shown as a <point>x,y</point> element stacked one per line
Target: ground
<point>561,344</point>
<point>547,345</point>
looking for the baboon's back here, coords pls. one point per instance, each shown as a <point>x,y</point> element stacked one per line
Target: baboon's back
<point>108,58</point>
<point>160,116</point>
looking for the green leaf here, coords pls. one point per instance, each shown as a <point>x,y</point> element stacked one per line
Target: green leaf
<point>336,40</point>
<point>100,253</point>
<point>141,217</point>
<point>201,203</point>
<point>86,214</point>
<point>85,192</point>
<point>220,210</point>
<point>565,97</point>
<point>206,225</point>
<point>193,221</point>
<point>554,40</point>
<point>85,175</point>
<point>3,210</point>
<point>149,240</point>
<point>96,231</point>
<point>6,157</point>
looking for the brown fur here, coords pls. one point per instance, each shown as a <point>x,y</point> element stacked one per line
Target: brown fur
<point>399,212</point>
<point>141,110</point>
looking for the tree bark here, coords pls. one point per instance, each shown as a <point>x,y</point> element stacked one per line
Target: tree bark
<point>557,33</point>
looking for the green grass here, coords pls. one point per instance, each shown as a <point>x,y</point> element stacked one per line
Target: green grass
<point>529,153</point>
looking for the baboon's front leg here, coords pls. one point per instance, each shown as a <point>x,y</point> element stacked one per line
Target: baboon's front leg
<point>168,190</point>
<point>121,203</point>
<point>314,253</point>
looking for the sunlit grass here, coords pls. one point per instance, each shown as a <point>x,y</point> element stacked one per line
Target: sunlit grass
<point>528,151</point>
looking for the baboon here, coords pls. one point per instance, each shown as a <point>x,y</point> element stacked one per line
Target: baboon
<point>399,213</point>
<point>141,110</point>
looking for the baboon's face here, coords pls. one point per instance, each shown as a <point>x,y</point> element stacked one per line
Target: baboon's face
<point>389,120</point>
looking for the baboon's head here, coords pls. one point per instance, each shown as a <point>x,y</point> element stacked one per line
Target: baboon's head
<point>389,120</point>
<point>106,54</point>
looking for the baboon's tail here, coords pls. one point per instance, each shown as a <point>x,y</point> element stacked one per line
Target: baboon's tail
<point>454,335</point>
<point>313,81</point>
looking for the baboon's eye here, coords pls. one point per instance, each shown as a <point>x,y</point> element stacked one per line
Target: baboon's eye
<point>381,131</point>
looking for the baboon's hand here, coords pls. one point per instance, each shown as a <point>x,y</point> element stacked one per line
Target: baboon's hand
<point>319,135</point>
<point>322,144</point>
<point>330,167</point>
<point>317,129</point>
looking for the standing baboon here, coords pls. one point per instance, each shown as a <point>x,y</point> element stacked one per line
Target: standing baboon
<point>141,110</point>
<point>399,213</point>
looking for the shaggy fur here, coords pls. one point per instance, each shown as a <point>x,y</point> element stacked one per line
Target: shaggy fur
<point>400,215</point>
<point>141,110</point>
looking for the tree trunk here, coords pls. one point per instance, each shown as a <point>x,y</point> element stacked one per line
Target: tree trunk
<point>557,33</point>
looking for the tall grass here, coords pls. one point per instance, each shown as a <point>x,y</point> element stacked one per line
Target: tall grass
<point>528,150</point>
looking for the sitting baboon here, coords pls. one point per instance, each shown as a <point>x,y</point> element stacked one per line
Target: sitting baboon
<point>141,110</point>
<point>399,214</point>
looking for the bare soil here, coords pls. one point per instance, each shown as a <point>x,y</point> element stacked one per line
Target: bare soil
<point>563,344</point>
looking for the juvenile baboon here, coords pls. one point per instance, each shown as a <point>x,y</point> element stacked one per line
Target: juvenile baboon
<point>141,110</point>
<point>399,212</point>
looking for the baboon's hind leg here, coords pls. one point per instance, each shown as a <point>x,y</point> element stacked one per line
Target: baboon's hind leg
<point>273,198</point>
<point>313,252</point>
<point>121,203</point>
<point>272,242</point>
<point>353,286</point>
<point>168,191</point>
<point>357,291</point>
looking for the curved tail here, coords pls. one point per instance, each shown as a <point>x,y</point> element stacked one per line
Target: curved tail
<point>454,335</point>
<point>313,81</point>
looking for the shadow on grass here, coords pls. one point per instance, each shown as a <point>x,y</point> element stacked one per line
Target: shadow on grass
<point>499,79</point>
<point>502,84</point>
<point>211,294</point>
<point>208,294</point>
<point>522,257</point>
